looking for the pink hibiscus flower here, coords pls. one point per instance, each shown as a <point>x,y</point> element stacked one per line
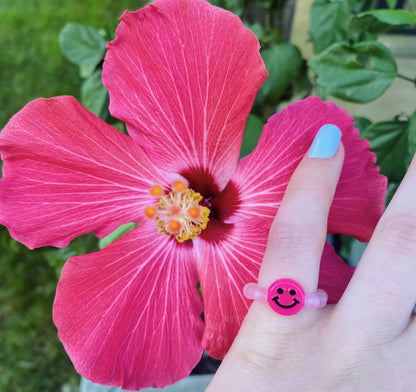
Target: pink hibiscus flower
<point>182,75</point>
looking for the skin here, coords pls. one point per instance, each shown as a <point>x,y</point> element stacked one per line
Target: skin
<point>367,342</point>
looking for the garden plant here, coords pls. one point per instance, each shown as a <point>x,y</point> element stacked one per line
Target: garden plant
<point>159,181</point>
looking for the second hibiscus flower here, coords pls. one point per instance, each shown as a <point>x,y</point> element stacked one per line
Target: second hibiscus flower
<point>183,76</point>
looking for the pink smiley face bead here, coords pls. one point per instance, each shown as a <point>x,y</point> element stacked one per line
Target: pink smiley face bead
<point>286,297</point>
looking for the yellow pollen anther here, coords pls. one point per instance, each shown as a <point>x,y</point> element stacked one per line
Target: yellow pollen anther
<point>156,190</point>
<point>150,211</point>
<point>178,213</point>
<point>179,186</point>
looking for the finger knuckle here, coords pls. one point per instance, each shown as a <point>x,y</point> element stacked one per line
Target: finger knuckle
<point>398,233</point>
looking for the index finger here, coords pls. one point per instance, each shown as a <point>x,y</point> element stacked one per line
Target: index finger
<point>298,233</point>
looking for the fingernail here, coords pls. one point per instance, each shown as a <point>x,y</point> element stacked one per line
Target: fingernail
<point>326,142</point>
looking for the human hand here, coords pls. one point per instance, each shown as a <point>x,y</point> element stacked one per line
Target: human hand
<point>367,341</point>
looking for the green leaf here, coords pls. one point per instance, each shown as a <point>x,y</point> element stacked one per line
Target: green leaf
<point>94,96</point>
<point>267,4</point>
<point>380,21</point>
<point>361,5</point>
<point>252,134</point>
<point>358,73</point>
<point>284,64</point>
<point>391,190</point>
<point>235,6</point>
<point>361,123</point>
<point>392,3</point>
<point>116,234</point>
<point>389,141</point>
<point>86,70</point>
<point>351,249</point>
<point>412,136</point>
<point>257,29</point>
<point>82,45</point>
<point>328,21</point>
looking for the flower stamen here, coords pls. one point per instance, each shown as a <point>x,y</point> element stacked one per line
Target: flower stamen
<point>150,212</point>
<point>174,226</point>
<point>156,190</point>
<point>178,213</point>
<point>179,186</point>
<point>194,212</point>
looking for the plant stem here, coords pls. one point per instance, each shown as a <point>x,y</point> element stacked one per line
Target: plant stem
<point>407,78</point>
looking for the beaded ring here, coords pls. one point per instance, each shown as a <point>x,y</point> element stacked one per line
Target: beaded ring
<point>286,296</point>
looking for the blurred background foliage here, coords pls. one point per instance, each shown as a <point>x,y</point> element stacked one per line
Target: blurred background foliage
<point>56,47</point>
<point>31,61</point>
<point>32,65</point>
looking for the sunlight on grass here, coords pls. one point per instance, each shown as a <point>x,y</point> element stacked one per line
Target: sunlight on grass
<point>31,63</point>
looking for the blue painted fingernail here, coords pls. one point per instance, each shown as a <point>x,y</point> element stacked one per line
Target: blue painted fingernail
<point>326,142</point>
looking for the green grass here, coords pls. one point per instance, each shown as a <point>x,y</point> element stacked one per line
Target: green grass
<point>31,63</point>
<point>31,66</point>
<point>31,357</point>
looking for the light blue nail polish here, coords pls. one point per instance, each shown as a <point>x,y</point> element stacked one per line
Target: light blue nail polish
<point>326,142</point>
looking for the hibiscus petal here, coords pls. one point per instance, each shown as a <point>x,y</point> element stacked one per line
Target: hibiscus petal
<point>183,76</point>
<point>334,274</point>
<point>130,314</point>
<point>66,173</point>
<point>262,177</point>
<point>228,257</point>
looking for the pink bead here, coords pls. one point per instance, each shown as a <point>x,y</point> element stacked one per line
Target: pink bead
<point>254,292</point>
<point>316,300</point>
<point>312,301</point>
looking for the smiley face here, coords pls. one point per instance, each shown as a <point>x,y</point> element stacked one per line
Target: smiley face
<point>286,297</point>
